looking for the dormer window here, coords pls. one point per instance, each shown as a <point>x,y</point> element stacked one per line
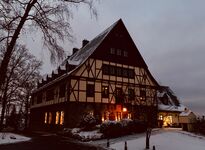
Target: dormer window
<point>125,53</point>
<point>112,51</point>
<point>119,52</point>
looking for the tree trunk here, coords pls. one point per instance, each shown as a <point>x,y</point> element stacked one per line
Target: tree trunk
<point>148,134</point>
<point>4,101</point>
<point>26,111</point>
<point>10,47</point>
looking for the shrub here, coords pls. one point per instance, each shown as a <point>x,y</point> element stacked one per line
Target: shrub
<point>111,128</point>
<point>123,127</point>
<point>88,122</point>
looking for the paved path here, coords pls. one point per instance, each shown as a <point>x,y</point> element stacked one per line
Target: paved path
<point>49,142</point>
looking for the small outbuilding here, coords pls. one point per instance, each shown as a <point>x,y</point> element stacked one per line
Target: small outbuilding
<point>187,120</point>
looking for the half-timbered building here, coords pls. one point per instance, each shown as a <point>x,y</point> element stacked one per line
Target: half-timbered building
<point>107,77</point>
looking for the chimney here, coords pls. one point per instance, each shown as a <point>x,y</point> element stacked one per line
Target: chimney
<point>75,50</point>
<point>84,42</point>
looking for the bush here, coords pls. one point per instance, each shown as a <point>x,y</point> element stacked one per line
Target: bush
<point>88,122</point>
<point>111,129</point>
<point>123,127</point>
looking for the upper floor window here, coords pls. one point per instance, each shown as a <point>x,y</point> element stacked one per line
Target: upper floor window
<point>118,71</point>
<point>105,91</point>
<point>90,90</point>
<point>125,72</point>
<point>131,73</point>
<point>125,53</point>
<point>112,51</point>
<point>142,94</point>
<point>105,69</point>
<point>50,94</point>
<point>131,94</point>
<point>39,98</point>
<point>119,95</point>
<point>112,70</point>
<point>119,52</point>
<point>62,90</point>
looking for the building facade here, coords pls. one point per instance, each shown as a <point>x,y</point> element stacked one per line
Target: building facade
<point>107,78</point>
<point>169,108</point>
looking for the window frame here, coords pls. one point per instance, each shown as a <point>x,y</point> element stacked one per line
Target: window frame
<point>105,94</point>
<point>90,90</point>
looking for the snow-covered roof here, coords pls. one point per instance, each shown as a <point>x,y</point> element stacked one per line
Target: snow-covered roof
<point>185,113</point>
<point>82,54</point>
<point>174,108</point>
<point>168,101</point>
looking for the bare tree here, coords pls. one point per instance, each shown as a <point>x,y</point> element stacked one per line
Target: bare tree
<point>51,17</point>
<point>23,71</point>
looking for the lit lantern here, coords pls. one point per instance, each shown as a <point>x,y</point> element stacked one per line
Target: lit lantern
<point>103,119</point>
<point>124,109</point>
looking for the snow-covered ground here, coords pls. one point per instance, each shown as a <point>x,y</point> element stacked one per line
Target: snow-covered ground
<point>7,138</point>
<point>165,140</point>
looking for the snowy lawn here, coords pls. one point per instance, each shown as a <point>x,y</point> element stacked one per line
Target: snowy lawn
<point>8,138</point>
<point>166,140</point>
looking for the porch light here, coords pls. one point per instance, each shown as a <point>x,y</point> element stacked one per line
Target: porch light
<point>124,109</point>
<point>103,119</point>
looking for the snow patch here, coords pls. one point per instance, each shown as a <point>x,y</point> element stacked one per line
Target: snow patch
<point>8,138</point>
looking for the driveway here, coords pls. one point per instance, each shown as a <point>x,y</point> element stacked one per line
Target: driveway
<point>49,142</point>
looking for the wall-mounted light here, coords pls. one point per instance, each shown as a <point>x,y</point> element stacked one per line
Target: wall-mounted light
<point>124,109</point>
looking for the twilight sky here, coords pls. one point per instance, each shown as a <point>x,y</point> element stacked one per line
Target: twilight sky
<point>170,35</point>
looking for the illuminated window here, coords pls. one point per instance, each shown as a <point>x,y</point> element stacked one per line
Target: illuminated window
<point>62,118</point>
<point>105,92</point>
<point>45,118</point>
<point>129,116</point>
<point>160,117</point>
<point>57,117</point>
<point>49,117</point>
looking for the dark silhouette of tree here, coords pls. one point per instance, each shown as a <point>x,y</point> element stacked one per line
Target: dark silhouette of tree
<point>51,17</point>
<point>21,77</point>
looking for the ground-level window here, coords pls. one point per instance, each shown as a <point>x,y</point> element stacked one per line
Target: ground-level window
<point>160,117</point>
<point>49,117</point>
<point>45,117</point>
<point>57,117</point>
<point>61,117</point>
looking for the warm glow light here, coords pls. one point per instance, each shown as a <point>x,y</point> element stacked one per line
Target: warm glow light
<point>103,119</point>
<point>57,117</point>
<point>124,109</point>
<point>49,117</point>
<point>61,117</point>
<point>46,115</point>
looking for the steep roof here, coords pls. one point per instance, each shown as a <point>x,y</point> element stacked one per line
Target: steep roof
<point>82,54</point>
<point>79,57</point>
